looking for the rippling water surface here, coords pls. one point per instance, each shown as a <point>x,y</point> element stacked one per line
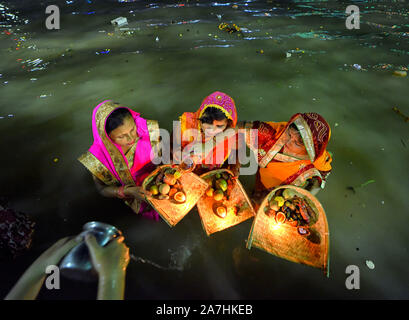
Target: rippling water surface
<point>292,56</point>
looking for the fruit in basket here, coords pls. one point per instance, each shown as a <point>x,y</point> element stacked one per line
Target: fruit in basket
<point>225,176</point>
<point>218,175</point>
<point>221,184</point>
<point>235,210</point>
<point>163,197</point>
<point>274,205</point>
<point>177,174</point>
<point>172,191</point>
<point>169,179</point>
<point>287,194</point>
<point>269,211</point>
<point>218,195</point>
<point>179,197</point>
<point>209,192</point>
<point>154,190</point>
<point>280,201</point>
<point>164,189</point>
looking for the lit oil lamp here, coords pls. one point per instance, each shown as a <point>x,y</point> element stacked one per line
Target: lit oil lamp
<point>280,217</point>
<point>179,197</point>
<point>221,211</point>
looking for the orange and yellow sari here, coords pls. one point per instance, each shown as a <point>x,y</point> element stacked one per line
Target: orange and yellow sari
<point>191,132</point>
<point>277,168</point>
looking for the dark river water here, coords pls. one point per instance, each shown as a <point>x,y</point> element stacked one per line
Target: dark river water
<point>294,56</point>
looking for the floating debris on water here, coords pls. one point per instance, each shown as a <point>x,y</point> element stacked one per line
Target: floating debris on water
<point>400,73</point>
<point>106,51</point>
<point>119,22</point>
<point>405,117</point>
<point>370,264</point>
<point>357,66</point>
<point>230,29</point>
<point>366,183</point>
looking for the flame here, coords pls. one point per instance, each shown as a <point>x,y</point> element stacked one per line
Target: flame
<point>276,226</point>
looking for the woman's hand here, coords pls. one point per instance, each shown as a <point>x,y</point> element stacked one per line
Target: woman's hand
<point>111,259</point>
<point>110,262</point>
<point>137,193</point>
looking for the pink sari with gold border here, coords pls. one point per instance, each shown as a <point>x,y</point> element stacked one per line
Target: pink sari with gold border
<point>106,160</point>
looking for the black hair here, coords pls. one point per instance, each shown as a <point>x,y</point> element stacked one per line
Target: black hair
<point>116,119</point>
<point>293,126</point>
<point>211,114</point>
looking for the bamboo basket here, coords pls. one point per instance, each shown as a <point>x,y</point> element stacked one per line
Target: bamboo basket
<point>285,241</point>
<point>172,212</point>
<point>210,221</point>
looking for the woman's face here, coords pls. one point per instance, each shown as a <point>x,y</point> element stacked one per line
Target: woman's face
<point>125,135</point>
<point>218,126</point>
<point>295,143</point>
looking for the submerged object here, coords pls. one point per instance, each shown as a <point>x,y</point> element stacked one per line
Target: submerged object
<point>77,264</point>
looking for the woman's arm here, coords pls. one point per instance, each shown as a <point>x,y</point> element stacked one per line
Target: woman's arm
<point>106,191</point>
<point>129,192</point>
<point>30,283</point>
<point>110,262</point>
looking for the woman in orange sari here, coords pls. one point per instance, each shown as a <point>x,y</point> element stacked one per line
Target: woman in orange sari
<point>291,153</point>
<point>208,127</point>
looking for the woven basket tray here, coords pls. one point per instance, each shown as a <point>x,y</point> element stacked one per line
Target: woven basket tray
<point>284,240</point>
<point>210,221</point>
<point>193,186</point>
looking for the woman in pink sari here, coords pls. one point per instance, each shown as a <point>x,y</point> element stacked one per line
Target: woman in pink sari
<point>120,158</point>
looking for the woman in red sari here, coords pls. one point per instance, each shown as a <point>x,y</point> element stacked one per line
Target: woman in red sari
<point>207,127</point>
<point>291,153</point>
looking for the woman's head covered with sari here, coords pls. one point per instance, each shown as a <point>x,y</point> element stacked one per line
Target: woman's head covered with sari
<point>276,168</point>
<point>105,158</point>
<point>216,113</point>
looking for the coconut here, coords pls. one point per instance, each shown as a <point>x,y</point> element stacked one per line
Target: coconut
<point>164,188</point>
